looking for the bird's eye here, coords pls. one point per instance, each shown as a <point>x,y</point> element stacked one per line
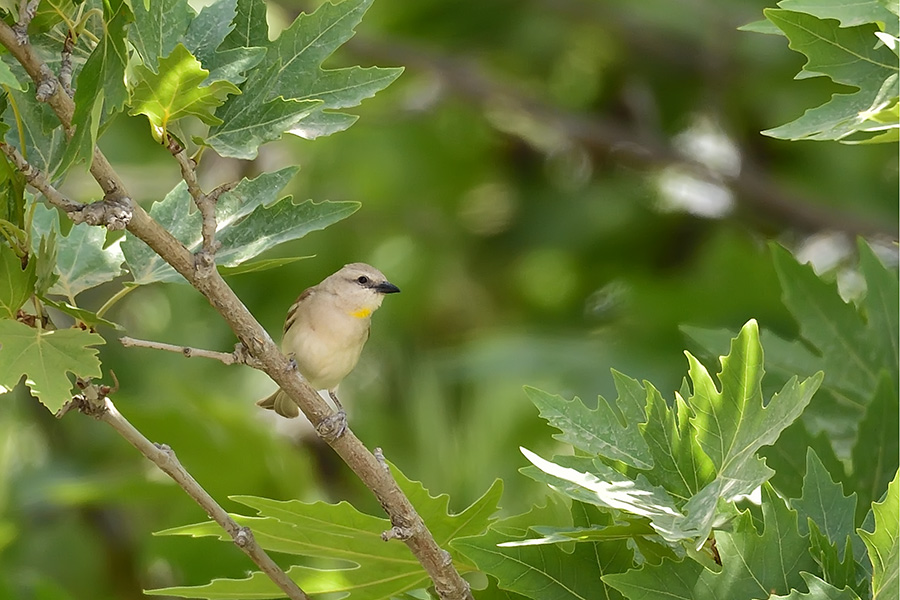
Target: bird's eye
<point>362,279</point>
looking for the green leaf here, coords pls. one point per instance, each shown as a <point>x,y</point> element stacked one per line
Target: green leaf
<point>259,265</point>
<point>880,305</point>
<point>45,141</point>
<point>7,79</point>
<point>100,86</point>
<point>681,466</point>
<point>877,450</point>
<point>547,572</point>
<point>597,431</point>
<point>818,590</point>
<point>852,351</point>
<point>251,220</point>
<point>45,267</point>
<point>849,14</point>
<point>753,565</point>
<point>882,543</point>
<point>849,56</point>
<point>86,317</point>
<point>16,283</point>
<point>44,357</point>
<point>82,262</point>
<point>157,29</point>
<point>175,92</point>
<point>208,31</point>
<point>367,565</point>
<point>731,425</point>
<point>289,85</point>
<point>788,458</point>
<point>828,515</point>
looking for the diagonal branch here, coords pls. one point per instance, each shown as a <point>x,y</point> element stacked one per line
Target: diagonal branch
<point>94,401</point>
<point>436,562</point>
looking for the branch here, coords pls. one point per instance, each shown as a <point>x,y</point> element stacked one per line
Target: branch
<point>94,401</point>
<point>238,357</point>
<point>206,203</point>
<point>112,214</point>
<point>752,187</point>
<point>27,10</point>
<point>447,581</point>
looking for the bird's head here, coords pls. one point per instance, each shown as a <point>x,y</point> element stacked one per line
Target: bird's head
<point>360,288</point>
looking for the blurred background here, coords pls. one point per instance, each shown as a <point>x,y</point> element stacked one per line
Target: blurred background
<point>555,185</point>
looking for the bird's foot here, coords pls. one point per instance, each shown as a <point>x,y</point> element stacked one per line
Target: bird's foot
<point>334,399</point>
<point>332,427</point>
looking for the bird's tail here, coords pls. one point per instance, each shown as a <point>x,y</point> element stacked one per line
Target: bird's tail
<point>280,403</point>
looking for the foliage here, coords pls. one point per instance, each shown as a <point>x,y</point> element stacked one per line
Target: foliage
<point>854,46</point>
<point>350,543</point>
<point>674,527</point>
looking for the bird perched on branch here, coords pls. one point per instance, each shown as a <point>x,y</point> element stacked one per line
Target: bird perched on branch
<point>326,329</point>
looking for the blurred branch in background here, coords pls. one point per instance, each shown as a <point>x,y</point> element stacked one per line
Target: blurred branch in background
<point>756,192</point>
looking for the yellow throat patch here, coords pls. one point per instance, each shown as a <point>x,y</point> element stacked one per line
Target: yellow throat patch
<point>361,313</point>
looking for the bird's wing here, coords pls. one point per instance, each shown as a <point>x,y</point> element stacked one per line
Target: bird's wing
<point>292,311</point>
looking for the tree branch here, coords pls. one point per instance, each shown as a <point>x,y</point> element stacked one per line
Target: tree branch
<point>94,401</point>
<point>447,580</point>
<point>238,357</point>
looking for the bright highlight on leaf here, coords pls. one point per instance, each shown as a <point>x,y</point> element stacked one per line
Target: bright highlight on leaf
<point>175,92</point>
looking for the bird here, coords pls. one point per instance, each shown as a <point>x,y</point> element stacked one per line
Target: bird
<point>326,329</point>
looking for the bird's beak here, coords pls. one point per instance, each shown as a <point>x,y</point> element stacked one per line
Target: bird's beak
<point>386,287</point>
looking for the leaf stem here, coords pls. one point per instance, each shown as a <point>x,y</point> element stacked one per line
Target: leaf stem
<point>115,298</point>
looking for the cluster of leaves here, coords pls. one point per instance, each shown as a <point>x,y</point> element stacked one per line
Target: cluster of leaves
<point>854,45</point>
<point>654,492</point>
<point>343,547</point>
<point>164,61</point>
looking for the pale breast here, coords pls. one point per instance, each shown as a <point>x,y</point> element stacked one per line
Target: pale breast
<point>326,353</point>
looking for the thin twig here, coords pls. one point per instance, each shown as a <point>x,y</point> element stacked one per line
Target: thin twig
<point>206,204</point>
<point>238,357</point>
<point>95,402</point>
<point>448,583</point>
<point>65,65</point>
<point>27,10</point>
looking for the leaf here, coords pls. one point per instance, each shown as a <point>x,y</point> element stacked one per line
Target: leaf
<point>45,268</point>
<point>82,261</point>
<point>828,516</point>
<point>753,565</point>
<point>595,431</point>
<point>593,482</point>
<point>850,355</point>
<point>289,84</point>
<point>259,265</point>
<point>7,79</point>
<point>787,457</point>
<point>849,15</point>
<point>16,283</point>
<point>157,29</point>
<point>368,566</point>
<point>44,357</point>
<point>176,93</point>
<point>681,466</point>
<point>208,31</point>
<point>545,572</point>
<point>45,141</point>
<point>875,454</point>
<point>86,317</point>
<point>100,86</point>
<point>818,590</point>
<point>882,544</point>
<point>880,305</point>
<point>731,425</point>
<point>849,56</point>
<point>251,219</point>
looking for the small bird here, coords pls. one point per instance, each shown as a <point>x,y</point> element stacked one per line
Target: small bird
<point>326,329</point>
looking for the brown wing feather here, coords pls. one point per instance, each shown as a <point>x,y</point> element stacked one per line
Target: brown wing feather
<point>292,311</point>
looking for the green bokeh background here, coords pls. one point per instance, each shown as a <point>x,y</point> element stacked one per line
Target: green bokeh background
<point>524,258</point>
